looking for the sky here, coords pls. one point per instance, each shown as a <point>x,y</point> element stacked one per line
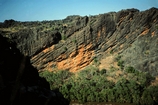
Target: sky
<point>39,10</point>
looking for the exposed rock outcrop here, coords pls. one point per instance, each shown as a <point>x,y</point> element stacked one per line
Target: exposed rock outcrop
<point>74,42</point>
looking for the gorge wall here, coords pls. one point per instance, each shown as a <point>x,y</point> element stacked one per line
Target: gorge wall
<point>75,42</point>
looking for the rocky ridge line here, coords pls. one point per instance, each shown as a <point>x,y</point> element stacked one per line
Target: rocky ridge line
<point>74,42</point>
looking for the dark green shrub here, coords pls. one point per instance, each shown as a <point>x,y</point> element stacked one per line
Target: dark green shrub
<point>120,64</point>
<point>64,37</point>
<point>118,58</point>
<point>96,61</point>
<point>88,73</point>
<point>130,69</point>
<point>144,79</point>
<point>74,41</point>
<point>156,27</point>
<point>103,71</point>
<point>65,48</point>
<point>111,95</point>
<point>111,52</point>
<point>146,98</point>
<point>154,93</point>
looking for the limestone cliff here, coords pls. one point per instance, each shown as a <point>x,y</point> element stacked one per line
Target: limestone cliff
<point>74,42</point>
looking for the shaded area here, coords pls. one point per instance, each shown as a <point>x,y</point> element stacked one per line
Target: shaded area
<point>20,83</point>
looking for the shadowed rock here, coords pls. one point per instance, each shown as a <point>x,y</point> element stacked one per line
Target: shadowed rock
<point>20,83</point>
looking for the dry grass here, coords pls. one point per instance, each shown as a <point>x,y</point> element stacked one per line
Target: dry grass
<point>114,73</point>
<point>155,82</point>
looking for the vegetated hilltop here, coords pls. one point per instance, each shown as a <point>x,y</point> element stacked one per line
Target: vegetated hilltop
<point>75,42</point>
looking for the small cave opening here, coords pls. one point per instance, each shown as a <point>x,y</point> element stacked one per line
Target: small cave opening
<point>57,37</point>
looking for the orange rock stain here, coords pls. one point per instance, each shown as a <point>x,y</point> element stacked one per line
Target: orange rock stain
<point>77,60</point>
<point>121,20</point>
<point>99,33</point>
<point>126,36</point>
<point>155,82</point>
<point>153,34</point>
<point>48,49</point>
<point>144,32</point>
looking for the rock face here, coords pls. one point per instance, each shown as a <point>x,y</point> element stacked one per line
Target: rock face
<point>20,83</point>
<point>74,42</point>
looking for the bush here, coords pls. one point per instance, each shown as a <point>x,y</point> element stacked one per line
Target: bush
<point>64,37</point>
<point>144,79</point>
<point>130,69</point>
<point>103,71</point>
<point>154,93</point>
<point>118,58</point>
<point>120,64</point>
<point>147,99</point>
<point>96,61</point>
